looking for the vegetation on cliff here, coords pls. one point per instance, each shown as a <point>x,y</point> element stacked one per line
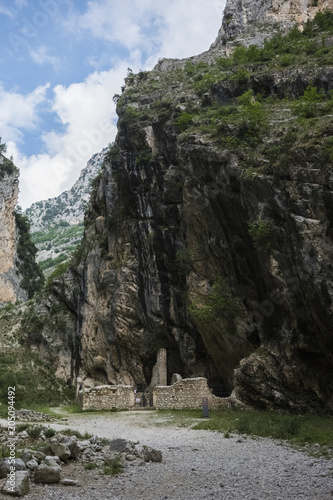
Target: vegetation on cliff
<point>209,229</point>
<point>32,276</point>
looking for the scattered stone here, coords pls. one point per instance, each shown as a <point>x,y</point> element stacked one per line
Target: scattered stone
<point>18,487</point>
<point>32,416</point>
<point>68,482</point>
<point>6,466</point>
<point>130,458</point>
<point>32,464</point>
<point>83,445</point>
<point>119,445</point>
<point>61,450</point>
<point>52,459</point>
<point>23,435</point>
<point>151,455</point>
<point>48,474</point>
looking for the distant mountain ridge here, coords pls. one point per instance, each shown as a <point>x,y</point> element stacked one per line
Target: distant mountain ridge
<point>69,205</point>
<point>57,223</point>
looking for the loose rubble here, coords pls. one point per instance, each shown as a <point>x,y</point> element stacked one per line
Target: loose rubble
<point>33,416</point>
<point>43,462</point>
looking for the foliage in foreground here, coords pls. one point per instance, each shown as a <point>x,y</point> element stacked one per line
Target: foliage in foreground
<point>113,466</point>
<point>299,429</point>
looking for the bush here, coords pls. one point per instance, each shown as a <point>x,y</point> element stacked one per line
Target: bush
<point>35,431</point>
<point>218,305</point>
<point>49,432</point>
<point>184,121</point>
<point>90,466</point>
<point>113,466</point>
<point>32,276</point>
<point>306,106</point>
<point>261,232</point>
<point>241,76</point>
<point>59,270</point>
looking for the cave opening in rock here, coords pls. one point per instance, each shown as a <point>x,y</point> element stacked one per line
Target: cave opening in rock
<point>100,375</point>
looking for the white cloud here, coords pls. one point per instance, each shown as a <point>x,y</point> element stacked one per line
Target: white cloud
<point>148,30</point>
<point>20,111</point>
<point>167,29</point>
<point>87,114</point>
<point>21,3</point>
<point>5,11</point>
<point>41,56</point>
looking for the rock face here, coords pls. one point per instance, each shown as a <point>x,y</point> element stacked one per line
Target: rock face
<point>211,236</point>
<point>251,22</point>
<point>57,223</point>
<point>10,289</point>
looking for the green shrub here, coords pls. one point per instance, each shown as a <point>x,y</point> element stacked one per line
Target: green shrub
<point>32,276</point>
<point>113,466</point>
<point>184,121</point>
<point>241,76</point>
<point>35,431</point>
<point>261,234</point>
<point>218,305</point>
<point>90,466</point>
<point>204,84</point>
<point>73,432</point>
<point>59,270</point>
<point>286,60</point>
<point>306,106</point>
<point>21,427</point>
<point>49,432</point>
<point>224,62</point>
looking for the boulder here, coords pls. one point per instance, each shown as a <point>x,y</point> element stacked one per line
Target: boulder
<point>120,445</point>
<point>18,484</point>
<point>151,455</point>
<point>68,482</point>
<point>7,465</point>
<point>32,464</point>
<point>61,450</point>
<point>47,474</point>
<point>74,449</point>
<point>71,443</point>
<point>83,445</point>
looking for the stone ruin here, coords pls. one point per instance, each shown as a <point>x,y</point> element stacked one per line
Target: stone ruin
<point>181,394</point>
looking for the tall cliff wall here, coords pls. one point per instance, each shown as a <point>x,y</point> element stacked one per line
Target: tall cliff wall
<point>10,289</point>
<point>251,22</point>
<point>210,232</point>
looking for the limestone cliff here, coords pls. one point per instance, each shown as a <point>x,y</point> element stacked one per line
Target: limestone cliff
<point>210,229</point>
<point>10,289</point>
<point>251,22</point>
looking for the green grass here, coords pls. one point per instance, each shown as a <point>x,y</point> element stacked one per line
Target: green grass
<point>73,432</point>
<point>90,466</point>
<point>72,408</point>
<point>297,429</point>
<point>113,466</point>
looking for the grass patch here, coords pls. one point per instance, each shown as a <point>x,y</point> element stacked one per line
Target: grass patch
<point>72,408</point>
<point>298,429</point>
<point>35,431</point>
<point>113,466</point>
<point>73,432</point>
<point>90,466</point>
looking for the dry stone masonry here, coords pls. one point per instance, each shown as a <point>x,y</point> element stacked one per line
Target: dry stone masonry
<point>106,397</point>
<point>187,394</point>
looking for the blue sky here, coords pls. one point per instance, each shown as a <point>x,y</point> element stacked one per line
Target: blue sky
<point>61,63</point>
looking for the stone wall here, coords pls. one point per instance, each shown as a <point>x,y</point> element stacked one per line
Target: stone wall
<point>187,393</point>
<point>106,397</point>
<point>184,394</point>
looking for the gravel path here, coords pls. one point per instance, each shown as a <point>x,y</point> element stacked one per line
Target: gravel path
<point>196,465</point>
